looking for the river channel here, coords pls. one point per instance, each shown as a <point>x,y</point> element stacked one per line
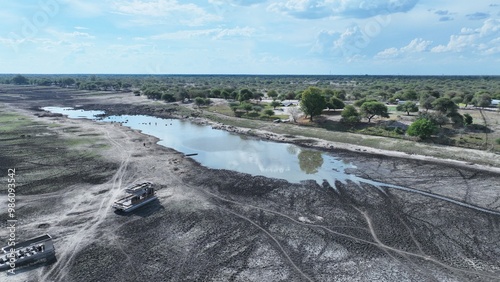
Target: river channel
<point>219,149</point>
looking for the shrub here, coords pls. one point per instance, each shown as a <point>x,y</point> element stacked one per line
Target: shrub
<point>350,115</point>
<point>253,114</point>
<point>168,97</point>
<point>423,128</point>
<point>468,119</point>
<point>269,112</point>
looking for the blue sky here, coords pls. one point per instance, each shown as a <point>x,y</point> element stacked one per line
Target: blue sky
<point>408,37</point>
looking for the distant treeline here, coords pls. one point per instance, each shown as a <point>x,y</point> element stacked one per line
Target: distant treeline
<point>460,89</point>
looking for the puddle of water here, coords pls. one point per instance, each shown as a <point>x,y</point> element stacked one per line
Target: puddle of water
<point>72,113</point>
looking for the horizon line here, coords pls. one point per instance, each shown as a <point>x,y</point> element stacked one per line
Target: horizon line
<point>249,74</point>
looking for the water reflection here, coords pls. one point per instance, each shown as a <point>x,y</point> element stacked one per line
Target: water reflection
<point>223,150</point>
<point>310,161</point>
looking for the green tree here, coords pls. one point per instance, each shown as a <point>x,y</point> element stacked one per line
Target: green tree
<point>152,93</point>
<point>467,99</point>
<point>269,112</point>
<point>340,94</point>
<point>371,109</point>
<point>281,97</point>
<point>407,107</point>
<point>457,99</point>
<point>216,93</point>
<point>410,95</point>
<point>245,95</point>
<point>335,103</point>
<point>350,115</point>
<point>67,81</point>
<point>257,109</point>
<point>444,105</point>
<point>482,100</point>
<point>247,107</point>
<point>20,80</point>
<point>45,82</point>
<point>199,101</point>
<point>456,118</point>
<point>292,95</point>
<point>468,119</point>
<point>436,117</point>
<point>272,94</point>
<point>275,103</point>
<point>422,127</point>
<point>168,97</point>
<point>225,94</point>
<point>257,96</point>
<point>312,102</point>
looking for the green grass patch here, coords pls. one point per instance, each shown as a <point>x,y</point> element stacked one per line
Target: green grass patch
<point>10,122</point>
<point>273,117</point>
<point>392,108</point>
<point>381,131</point>
<point>222,109</point>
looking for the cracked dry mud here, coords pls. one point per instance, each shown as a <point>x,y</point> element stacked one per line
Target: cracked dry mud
<point>218,225</point>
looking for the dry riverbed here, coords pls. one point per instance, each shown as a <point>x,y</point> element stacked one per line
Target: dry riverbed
<point>218,225</point>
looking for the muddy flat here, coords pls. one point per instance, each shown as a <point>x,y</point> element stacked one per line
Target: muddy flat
<point>221,225</point>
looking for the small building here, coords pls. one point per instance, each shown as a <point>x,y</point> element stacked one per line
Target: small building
<point>495,103</point>
<point>287,103</point>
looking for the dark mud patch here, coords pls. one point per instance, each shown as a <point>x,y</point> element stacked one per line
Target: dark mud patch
<point>43,225</point>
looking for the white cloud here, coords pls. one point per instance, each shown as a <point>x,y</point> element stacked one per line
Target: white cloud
<point>483,40</point>
<point>69,35</point>
<point>214,33</point>
<point>237,2</point>
<point>417,45</point>
<point>347,44</point>
<point>388,53</point>
<point>11,42</point>
<point>313,9</point>
<point>190,14</point>
<point>82,8</point>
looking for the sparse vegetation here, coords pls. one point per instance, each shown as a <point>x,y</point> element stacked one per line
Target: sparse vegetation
<point>408,107</point>
<point>312,102</point>
<point>239,91</point>
<point>423,128</point>
<point>372,109</point>
<point>350,115</point>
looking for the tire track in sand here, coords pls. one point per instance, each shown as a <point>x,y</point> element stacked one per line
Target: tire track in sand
<point>88,232</point>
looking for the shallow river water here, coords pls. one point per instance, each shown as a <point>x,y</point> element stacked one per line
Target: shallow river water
<point>223,150</point>
<point>220,149</point>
